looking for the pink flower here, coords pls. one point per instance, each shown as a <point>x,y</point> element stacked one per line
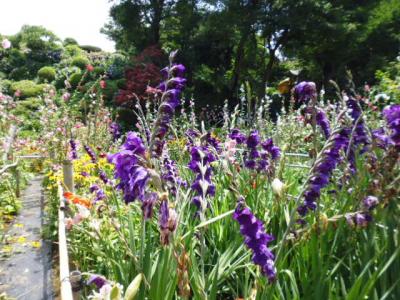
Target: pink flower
<point>66,96</point>
<point>230,150</point>
<point>17,93</point>
<point>89,68</point>
<point>151,90</point>
<point>68,223</point>
<point>103,84</point>
<point>6,44</point>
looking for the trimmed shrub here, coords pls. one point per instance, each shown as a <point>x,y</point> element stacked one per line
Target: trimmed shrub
<point>27,106</point>
<point>69,41</point>
<point>74,79</point>
<point>80,61</point>
<point>73,51</point>
<point>27,88</point>
<point>90,48</point>
<point>47,74</point>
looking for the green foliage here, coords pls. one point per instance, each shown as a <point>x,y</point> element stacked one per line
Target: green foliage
<point>80,62</point>
<point>98,71</point>
<point>69,41</point>
<point>35,38</point>
<point>75,79</point>
<point>388,81</point>
<point>227,43</point>
<point>73,50</point>
<point>47,74</point>
<point>27,88</point>
<point>89,48</point>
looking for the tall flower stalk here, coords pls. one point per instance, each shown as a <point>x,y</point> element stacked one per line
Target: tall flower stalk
<point>171,90</point>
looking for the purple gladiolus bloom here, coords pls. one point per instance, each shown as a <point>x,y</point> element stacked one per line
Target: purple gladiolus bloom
<point>201,158</point>
<point>172,90</point>
<point>256,239</point>
<point>91,153</point>
<point>171,177</point>
<point>370,202</point>
<point>323,122</point>
<point>392,116</point>
<point>97,280</point>
<point>115,131</point>
<point>323,171</point>
<point>132,176</point>
<point>380,138</point>
<point>253,140</point>
<point>236,135</point>
<point>304,91</point>
<point>147,205</point>
<point>167,222</point>
<point>103,177</point>
<point>74,154</point>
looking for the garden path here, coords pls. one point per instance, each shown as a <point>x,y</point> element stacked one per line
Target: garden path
<point>25,268</point>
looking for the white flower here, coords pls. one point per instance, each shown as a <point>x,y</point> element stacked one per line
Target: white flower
<point>382,96</point>
<point>277,187</point>
<point>6,44</point>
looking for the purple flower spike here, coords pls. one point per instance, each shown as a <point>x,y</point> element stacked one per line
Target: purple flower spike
<point>91,153</point>
<point>323,122</point>
<point>323,171</point>
<point>172,89</point>
<point>392,116</point>
<point>304,91</point>
<point>132,176</point>
<point>236,135</point>
<point>115,131</point>
<point>167,222</point>
<point>256,239</point>
<point>147,205</point>
<point>74,154</point>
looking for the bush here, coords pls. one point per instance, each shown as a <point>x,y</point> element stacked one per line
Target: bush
<point>90,48</point>
<point>73,51</point>
<point>80,61</point>
<point>69,41</point>
<point>98,71</point>
<point>5,86</point>
<point>47,74</point>
<point>27,106</point>
<point>74,79</point>
<point>27,88</point>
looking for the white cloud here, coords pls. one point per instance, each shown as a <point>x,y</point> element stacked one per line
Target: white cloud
<point>79,19</point>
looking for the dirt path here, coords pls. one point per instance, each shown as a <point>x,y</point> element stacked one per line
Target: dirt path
<point>25,265</point>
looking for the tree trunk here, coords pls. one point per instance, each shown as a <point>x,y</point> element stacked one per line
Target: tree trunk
<point>267,72</point>
<point>158,6</point>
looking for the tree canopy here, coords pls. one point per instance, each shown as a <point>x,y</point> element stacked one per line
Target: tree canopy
<point>225,43</point>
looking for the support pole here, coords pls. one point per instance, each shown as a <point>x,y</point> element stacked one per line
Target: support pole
<point>65,285</point>
<point>68,174</point>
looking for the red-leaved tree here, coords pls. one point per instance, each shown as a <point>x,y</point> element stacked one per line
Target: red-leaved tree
<point>145,72</point>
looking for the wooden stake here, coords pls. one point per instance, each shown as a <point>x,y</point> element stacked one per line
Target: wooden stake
<point>68,174</point>
<point>65,285</point>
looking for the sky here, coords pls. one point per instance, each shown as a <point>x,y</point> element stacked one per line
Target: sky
<point>79,19</point>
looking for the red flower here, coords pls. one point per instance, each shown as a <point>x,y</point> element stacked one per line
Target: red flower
<point>89,67</point>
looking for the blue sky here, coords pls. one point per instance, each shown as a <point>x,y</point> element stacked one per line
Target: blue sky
<point>80,19</point>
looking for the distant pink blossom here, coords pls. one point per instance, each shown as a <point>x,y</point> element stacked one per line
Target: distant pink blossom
<point>66,96</point>
<point>6,44</point>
